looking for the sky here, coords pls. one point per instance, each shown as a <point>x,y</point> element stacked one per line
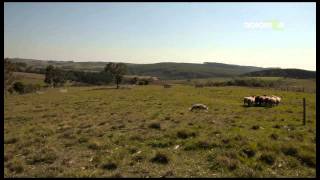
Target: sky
<point>164,32</point>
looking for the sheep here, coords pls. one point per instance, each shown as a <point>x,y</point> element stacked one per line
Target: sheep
<point>271,101</point>
<point>249,100</point>
<point>261,100</point>
<point>266,100</point>
<point>199,106</point>
<point>278,99</point>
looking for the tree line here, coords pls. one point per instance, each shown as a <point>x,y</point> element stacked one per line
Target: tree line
<point>57,77</point>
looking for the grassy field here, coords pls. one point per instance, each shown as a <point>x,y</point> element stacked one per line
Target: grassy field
<point>29,78</point>
<point>147,131</point>
<point>308,85</point>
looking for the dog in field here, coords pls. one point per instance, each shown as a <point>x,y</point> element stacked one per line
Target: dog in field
<point>199,107</point>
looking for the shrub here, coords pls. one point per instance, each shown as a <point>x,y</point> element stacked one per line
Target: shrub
<point>199,145</point>
<point>274,136</point>
<point>155,125</point>
<point>160,158</point>
<point>109,166</point>
<point>138,158</point>
<point>19,87</point>
<point>255,127</point>
<point>160,144</point>
<point>94,145</point>
<point>289,150</point>
<point>267,158</point>
<point>185,134</point>
<point>249,152</point>
<point>228,162</point>
<point>307,159</point>
<point>276,126</point>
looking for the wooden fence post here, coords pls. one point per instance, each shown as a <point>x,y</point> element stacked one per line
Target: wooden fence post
<point>304,111</point>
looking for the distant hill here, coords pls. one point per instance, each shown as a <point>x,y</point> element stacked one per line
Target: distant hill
<point>167,70</point>
<point>289,73</point>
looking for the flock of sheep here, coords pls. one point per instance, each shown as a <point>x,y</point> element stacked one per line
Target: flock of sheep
<point>262,100</point>
<point>251,100</point>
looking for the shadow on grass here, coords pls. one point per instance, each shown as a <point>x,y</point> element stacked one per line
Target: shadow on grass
<point>246,106</point>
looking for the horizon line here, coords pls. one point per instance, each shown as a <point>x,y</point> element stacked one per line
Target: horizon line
<point>101,61</point>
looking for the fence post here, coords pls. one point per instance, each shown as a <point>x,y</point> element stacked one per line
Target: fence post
<point>304,111</point>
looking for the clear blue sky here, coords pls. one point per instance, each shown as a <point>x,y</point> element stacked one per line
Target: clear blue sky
<point>162,32</point>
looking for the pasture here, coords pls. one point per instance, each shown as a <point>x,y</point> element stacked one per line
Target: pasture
<point>147,131</point>
<point>29,78</point>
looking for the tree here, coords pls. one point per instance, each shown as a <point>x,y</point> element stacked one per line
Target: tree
<point>117,70</point>
<point>8,77</point>
<point>49,75</point>
<point>58,78</point>
<point>54,76</point>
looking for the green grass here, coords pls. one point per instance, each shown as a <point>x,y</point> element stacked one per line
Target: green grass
<point>147,131</point>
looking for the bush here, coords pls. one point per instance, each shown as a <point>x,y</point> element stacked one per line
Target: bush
<point>185,134</point>
<point>160,143</point>
<point>109,166</point>
<point>21,88</point>
<point>267,158</point>
<point>222,161</point>
<point>199,145</point>
<point>307,159</point>
<point>155,125</point>
<point>274,136</point>
<point>160,158</point>
<point>249,152</point>
<point>255,127</point>
<point>289,151</point>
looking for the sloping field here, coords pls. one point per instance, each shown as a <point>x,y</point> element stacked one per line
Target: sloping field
<point>147,131</point>
<point>29,78</point>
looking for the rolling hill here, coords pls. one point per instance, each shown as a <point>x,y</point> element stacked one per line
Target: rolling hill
<point>288,73</point>
<point>167,70</point>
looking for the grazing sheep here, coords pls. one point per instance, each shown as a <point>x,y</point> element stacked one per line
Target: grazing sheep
<point>257,100</point>
<point>198,106</point>
<point>271,101</point>
<point>249,100</point>
<point>266,100</point>
<point>278,99</point>
<point>261,100</point>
